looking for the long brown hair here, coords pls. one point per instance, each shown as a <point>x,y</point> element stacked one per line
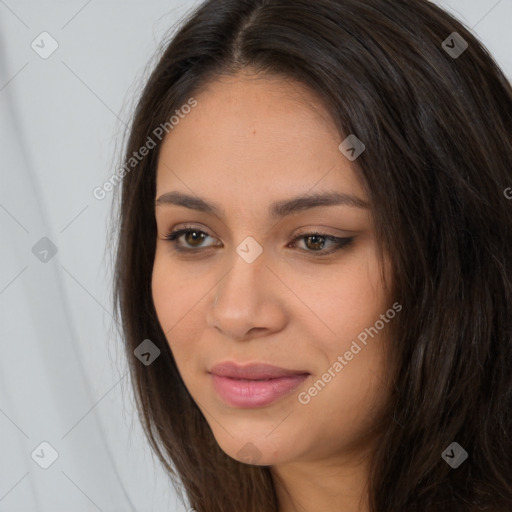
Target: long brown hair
<point>437,126</point>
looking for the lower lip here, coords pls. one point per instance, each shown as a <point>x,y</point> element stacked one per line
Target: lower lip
<point>254,393</point>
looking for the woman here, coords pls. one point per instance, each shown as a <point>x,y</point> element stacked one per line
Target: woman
<point>313,268</point>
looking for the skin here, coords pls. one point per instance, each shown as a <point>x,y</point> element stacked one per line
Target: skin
<point>250,141</point>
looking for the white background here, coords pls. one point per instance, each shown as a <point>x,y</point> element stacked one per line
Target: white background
<point>62,373</point>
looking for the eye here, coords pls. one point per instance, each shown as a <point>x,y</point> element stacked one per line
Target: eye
<point>314,242</point>
<point>192,236</point>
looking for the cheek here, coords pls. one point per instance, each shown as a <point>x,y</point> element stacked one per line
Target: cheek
<point>170,299</point>
<point>163,294</point>
<point>178,305</point>
<point>347,299</point>
<point>174,295</point>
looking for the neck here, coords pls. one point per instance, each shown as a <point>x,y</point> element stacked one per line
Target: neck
<point>328,485</point>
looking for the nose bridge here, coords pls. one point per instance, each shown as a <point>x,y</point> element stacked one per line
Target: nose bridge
<point>242,282</point>
<point>241,301</point>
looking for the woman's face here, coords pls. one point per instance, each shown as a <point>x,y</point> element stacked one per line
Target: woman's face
<point>250,283</point>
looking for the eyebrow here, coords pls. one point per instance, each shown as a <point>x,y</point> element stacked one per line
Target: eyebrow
<point>278,209</point>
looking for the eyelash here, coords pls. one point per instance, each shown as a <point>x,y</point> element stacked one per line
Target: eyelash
<point>340,243</point>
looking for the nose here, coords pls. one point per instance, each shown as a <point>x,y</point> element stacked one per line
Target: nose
<point>248,301</point>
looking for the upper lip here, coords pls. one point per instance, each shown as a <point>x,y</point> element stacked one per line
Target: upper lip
<point>253,371</point>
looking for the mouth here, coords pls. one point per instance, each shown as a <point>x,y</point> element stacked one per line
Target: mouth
<point>255,385</point>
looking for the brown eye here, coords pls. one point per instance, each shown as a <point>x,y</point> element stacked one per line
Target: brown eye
<point>314,242</point>
<point>191,240</point>
<point>194,238</point>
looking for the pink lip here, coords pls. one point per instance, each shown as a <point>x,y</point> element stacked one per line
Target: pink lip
<point>240,386</point>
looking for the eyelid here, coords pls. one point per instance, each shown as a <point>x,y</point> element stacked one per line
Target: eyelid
<point>319,229</point>
<point>174,234</point>
<point>340,242</point>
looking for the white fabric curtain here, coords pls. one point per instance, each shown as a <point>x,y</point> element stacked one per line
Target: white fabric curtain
<point>70,439</point>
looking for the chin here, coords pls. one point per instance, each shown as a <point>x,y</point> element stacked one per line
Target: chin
<point>257,450</point>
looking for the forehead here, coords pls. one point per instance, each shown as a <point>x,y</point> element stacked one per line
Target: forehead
<point>255,136</point>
